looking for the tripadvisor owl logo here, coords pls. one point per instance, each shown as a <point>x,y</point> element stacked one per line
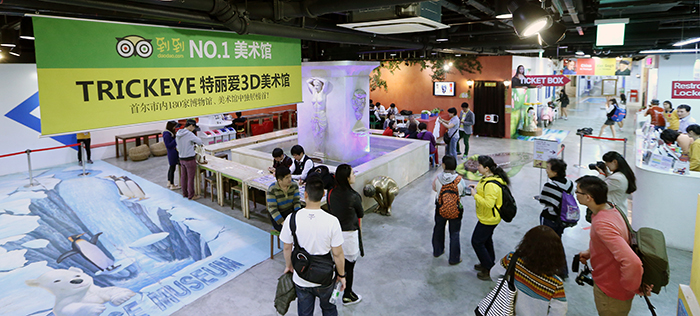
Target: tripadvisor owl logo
<point>128,45</point>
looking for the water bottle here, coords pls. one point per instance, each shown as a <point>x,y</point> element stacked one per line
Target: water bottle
<point>336,293</point>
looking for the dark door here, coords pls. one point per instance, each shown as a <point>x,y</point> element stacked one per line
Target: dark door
<point>490,99</point>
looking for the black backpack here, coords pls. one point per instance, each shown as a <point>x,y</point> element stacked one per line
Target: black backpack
<point>322,172</point>
<point>508,208</point>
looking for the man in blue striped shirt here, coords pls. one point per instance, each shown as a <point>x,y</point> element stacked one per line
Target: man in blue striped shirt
<point>282,197</point>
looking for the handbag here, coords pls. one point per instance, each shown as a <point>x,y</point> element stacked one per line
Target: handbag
<point>199,155</point>
<point>501,300</point>
<point>313,268</point>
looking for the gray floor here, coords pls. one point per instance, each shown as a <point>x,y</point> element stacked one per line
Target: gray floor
<point>399,276</point>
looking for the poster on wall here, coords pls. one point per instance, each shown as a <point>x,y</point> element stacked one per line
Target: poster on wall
<point>603,66</point>
<point>569,67</point>
<point>95,75</point>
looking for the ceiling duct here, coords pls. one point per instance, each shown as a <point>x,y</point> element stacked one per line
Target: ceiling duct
<point>416,17</point>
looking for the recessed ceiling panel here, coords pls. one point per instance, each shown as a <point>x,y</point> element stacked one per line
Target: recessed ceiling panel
<point>396,26</point>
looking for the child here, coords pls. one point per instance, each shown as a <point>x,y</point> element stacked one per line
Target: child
<point>279,159</point>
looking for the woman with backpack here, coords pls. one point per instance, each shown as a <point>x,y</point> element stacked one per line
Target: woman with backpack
<point>539,291</point>
<point>346,204</point>
<point>610,108</point>
<point>551,198</point>
<point>488,197</point>
<point>620,179</point>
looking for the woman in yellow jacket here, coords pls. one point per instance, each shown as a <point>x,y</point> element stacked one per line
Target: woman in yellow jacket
<point>488,197</point>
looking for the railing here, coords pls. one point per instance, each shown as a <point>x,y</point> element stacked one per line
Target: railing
<point>29,152</point>
<point>580,147</point>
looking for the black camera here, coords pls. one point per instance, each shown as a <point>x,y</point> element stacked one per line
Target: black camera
<point>584,277</point>
<point>598,164</point>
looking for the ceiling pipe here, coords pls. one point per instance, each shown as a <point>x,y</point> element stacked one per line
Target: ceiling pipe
<point>571,8</point>
<point>462,10</point>
<point>239,24</point>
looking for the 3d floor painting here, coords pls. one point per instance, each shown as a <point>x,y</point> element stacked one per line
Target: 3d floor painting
<point>111,243</point>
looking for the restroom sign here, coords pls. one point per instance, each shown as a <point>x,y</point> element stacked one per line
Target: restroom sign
<point>685,90</point>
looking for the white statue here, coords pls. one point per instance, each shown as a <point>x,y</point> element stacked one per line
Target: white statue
<point>319,121</point>
<point>531,120</point>
<point>359,98</point>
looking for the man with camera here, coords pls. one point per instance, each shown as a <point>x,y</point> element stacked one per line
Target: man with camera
<point>311,235</point>
<point>617,271</point>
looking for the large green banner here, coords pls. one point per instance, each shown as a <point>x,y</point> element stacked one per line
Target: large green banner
<point>95,75</point>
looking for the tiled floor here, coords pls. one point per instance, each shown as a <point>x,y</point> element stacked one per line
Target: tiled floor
<point>399,276</point>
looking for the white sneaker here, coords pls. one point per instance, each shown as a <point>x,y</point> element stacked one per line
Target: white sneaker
<point>566,118</point>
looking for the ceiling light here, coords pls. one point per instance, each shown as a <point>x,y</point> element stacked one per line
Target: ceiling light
<point>450,64</point>
<point>524,51</point>
<point>470,82</point>
<point>501,10</point>
<point>458,55</point>
<point>15,51</point>
<point>26,31</point>
<point>506,83</point>
<point>442,36</point>
<point>688,41</point>
<point>7,38</point>
<point>505,16</point>
<point>529,19</point>
<point>441,39</point>
<point>446,67</point>
<point>553,34</point>
<point>670,51</point>
<point>580,53</point>
<point>392,54</point>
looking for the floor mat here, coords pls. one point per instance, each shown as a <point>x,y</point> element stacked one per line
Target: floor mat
<point>551,134</point>
<point>143,249</point>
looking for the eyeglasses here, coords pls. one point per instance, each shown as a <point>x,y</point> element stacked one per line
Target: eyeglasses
<point>582,193</point>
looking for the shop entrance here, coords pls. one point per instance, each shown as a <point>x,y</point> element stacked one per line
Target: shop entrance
<point>490,100</point>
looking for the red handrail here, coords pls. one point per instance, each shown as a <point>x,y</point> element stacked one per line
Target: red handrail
<point>606,138</point>
<point>40,149</point>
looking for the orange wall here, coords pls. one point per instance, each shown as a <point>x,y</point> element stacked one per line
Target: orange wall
<point>411,89</point>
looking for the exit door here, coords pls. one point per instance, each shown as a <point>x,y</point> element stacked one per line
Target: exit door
<point>490,109</point>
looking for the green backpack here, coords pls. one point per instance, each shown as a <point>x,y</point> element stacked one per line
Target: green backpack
<point>650,246</point>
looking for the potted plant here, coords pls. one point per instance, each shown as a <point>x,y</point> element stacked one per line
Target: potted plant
<point>425,114</point>
<point>436,112</point>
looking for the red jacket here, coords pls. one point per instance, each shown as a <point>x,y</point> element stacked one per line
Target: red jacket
<point>616,268</point>
<point>657,116</point>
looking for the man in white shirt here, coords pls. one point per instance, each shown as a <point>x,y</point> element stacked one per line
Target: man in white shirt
<point>684,117</point>
<point>301,165</point>
<point>319,233</point>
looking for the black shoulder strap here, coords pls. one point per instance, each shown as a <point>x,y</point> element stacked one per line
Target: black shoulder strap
<point>494,205</point>
<point>293,227</point>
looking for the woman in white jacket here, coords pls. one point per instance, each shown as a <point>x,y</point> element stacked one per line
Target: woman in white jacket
<point>540,292</point>
<point>620,179</point>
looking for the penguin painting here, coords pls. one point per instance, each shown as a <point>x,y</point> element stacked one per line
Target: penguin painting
<point>123,188</point>
<point>135,189</point>
<point>89,251</point>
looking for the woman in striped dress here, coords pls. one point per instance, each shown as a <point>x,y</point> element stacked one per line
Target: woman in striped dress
<point>540,290</point>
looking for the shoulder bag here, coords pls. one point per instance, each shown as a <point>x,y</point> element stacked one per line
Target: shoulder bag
<point>501,300</point>
<point>313,268</point>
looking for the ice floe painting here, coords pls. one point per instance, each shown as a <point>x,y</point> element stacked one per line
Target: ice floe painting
<point>111,243</point>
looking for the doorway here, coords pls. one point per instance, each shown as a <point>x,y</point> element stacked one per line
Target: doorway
<point>490,99</point>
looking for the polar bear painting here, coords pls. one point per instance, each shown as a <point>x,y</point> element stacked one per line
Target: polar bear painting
<point>76,295</point>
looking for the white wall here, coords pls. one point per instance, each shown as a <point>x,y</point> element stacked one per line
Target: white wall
<point>18,82</point>
<point>677,67</point>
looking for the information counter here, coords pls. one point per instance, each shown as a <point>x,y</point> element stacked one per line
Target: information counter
<point>665,201</point>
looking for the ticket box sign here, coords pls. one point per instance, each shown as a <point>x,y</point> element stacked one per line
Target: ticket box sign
<point>685,90</point>
<point>95,75</point>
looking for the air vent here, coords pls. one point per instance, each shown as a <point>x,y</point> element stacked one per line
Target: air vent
<point>417,17</point>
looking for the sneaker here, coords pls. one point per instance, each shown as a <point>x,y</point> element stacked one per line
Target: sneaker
<point>438,255</point>
<point>353,299</point>
<point>459,153</point>
<point>455,263</point>
<point>80,163</point>
<point>173,187</point>
<point>196,197</point>
<point>478,267</point>
<point>484,275</point>
<point>566,118</point>
<point>89,161</point>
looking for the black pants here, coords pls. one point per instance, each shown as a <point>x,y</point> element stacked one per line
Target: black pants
<point>171,174</point>
<point>87,149</point>
<point>349,277</point>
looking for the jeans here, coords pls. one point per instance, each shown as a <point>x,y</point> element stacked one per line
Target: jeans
<point>188,169</point>
<point>482,242</point>
<point>464,137</point>
<point>85,141</point>
<point>559,229</point>
<point>306,299</point>
<point>439,237</point>
<point>451,150</point>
